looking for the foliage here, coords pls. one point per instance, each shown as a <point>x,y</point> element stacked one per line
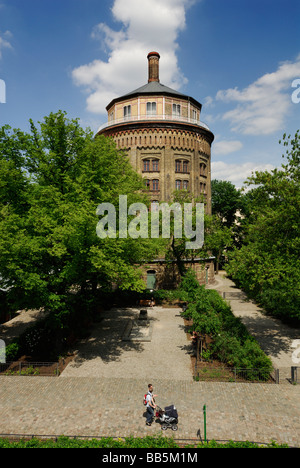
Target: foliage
<point>52,179</point>
<point>12,351</point>
<point>267,266</point>
<point>128,442</point>
<point>169,295</point>
<point>212,316</point>
<point>218,235</point>
<point>226,201</point>
<point>218,238</point>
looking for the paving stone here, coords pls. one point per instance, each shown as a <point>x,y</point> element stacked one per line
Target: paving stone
<point>101,392</point>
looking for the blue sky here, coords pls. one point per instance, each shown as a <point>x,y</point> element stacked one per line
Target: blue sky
<point>239,58</point>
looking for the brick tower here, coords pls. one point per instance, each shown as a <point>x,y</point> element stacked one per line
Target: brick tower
<point>166,142</point>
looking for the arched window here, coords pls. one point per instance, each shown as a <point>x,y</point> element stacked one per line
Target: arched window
<point>181,184</point>
<point>203,169</point>
<point>177,184</point>
<point>185,166</point>
<point>155,185</point>
<point>155,165</point>
<point>127,112</point>
<point>176,110</point>
<point>182,166</point>
<point>151,108</point>
<point>150,165</point>
<point>146,165</point>
<point>151,279</point>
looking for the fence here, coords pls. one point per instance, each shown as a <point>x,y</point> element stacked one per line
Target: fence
<point>51,369</point>
<point>232,374</point>
<point>284,375</point>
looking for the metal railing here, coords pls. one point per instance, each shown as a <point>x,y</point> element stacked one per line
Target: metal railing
<point>162,117</point>
<point>236,375</point>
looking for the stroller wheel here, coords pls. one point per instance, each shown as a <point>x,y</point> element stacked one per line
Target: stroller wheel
<point>174,427</point>
<point>164,427</point>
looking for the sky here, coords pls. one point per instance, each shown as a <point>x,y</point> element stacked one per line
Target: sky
<point>239,58</point>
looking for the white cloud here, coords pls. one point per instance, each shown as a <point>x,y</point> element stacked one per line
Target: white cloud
<point>147,25</point>
<point>263,106</point>
<point>4,41</point>
<point>223,147</point>
<point>236,173</point>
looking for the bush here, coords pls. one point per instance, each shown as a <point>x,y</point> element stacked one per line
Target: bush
<point>12,351</point>
<point>190,284</point>
<point>129,442</point>
<point>232,343</point>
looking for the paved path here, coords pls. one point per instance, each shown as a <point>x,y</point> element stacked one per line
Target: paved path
<point>106,354</point>
<point>100,394</point>
<point>113,407</point>
<point>274,337</point>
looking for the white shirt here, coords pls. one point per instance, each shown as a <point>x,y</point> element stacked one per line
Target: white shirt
<point>149,399</point>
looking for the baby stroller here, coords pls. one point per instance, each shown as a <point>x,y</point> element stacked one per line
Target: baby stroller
<point>167,417</point>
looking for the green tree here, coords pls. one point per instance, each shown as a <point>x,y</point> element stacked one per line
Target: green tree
<point>267,265</point>
<point>226,201</point>
<point>218,239</point>
<point>52,181</point>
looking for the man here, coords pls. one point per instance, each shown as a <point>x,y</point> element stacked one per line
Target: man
<point>150,405</point>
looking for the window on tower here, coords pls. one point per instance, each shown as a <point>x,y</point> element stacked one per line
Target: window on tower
<point>150,165</point>
<point>176,110</point>
<point>181,184</point>
<point>152,184</point>
<point>151,108</point>
<point>185,166</point>
<point>127,112</point>
<point>155,165</point>
<point>146,165</point>
<point>182,166</point>
<point>155,184</point>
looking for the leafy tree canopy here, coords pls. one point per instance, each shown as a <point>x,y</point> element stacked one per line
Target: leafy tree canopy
<point>267,265</point>
<point>51,181</point>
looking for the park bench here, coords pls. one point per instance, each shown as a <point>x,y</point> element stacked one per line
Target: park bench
<point>146,302</point>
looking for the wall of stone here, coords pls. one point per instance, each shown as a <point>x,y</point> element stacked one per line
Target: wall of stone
<point>168,277</point>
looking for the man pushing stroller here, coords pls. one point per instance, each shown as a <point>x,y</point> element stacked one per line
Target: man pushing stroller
<point>150,403</point>
<point>168,417</point>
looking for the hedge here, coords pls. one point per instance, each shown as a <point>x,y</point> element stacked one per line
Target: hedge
<point>128,442</point>
<point>211,315</point>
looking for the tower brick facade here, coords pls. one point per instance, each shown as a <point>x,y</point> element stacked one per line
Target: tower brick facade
<point>166,142</point>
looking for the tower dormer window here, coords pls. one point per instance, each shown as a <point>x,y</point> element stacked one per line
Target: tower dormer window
<point>151,108</point>
<point>127,112</point>
<point>176,110</point>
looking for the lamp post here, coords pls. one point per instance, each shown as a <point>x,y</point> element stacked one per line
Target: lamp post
<point>204,415</point>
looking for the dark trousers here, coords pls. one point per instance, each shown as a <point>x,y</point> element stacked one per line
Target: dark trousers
<point>150,414</point>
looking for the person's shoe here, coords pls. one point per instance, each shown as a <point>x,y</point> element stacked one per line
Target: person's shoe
<point>148,424</point>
